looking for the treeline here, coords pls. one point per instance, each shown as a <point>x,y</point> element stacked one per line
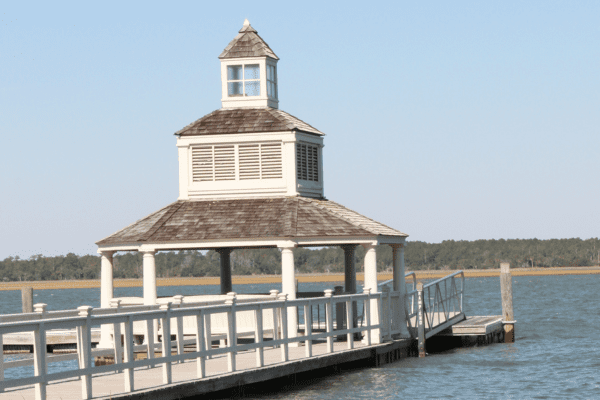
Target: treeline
<point>449,254</point>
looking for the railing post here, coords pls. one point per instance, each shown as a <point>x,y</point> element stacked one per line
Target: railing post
<point>285,355</point>
<point>200,344</point>
<point>367,317</point>
<point>40,308</point>
<point>329,319</point>
<point>207,334</point>
<point>258,336</point>
<point>166,342</point>
<point>128,354</point>
<point>350,323</point>
<point>84,348</point>
<point>39,356</point>
<point>308,328</point>
<point>177,301</point>
<point>421,319</point>
<point>231,331</point>
<point>508,315</point>
<point>118,347</point>
<point>275,295</point>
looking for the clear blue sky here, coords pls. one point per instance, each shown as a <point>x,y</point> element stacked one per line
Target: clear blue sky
<point>455,120</point>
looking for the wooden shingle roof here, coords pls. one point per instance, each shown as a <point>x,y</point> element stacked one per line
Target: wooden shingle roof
<point>285,217</point>
<point>246,120</point>
<point>247,44</point>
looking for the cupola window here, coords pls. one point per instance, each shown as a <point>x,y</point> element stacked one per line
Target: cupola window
<point>271,81</point>
<point>243,80</point>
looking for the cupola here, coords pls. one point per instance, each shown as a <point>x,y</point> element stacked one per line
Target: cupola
<point>249,148</point>
<point>248,71</point>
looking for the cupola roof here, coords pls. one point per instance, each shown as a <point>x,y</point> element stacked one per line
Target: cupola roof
<point>247,44</point>
<point>246,120</point>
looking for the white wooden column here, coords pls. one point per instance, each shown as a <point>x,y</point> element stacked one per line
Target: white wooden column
<point>371,283</point>
<point>400,286</point>
<point>288,286</point>
<point>149,283</point>
<point>106,294</point>
<point>149,272</point>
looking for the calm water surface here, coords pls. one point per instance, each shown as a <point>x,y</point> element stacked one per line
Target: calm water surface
<point>556,354</point>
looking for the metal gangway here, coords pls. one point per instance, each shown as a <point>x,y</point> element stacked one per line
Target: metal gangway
<point>435,306</point>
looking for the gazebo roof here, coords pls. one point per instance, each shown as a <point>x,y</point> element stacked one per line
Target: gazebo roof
<point>246,120</point>
<point>231,219</point>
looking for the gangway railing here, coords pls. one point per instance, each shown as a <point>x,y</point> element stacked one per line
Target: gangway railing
<point>442,304</point>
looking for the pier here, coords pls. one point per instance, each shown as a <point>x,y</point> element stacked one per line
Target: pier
<point>224,344</point>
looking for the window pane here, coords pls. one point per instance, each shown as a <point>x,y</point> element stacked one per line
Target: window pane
<point>251,71</point>
<point>274,74</point>
<point>234,73</point>
<point>269,75</point>
<point>269,92</point>
<point>234,89</point>
<point>253,88</point>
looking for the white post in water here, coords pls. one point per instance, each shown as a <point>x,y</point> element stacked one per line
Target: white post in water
<point>507,305</point>
<point>106,295</point>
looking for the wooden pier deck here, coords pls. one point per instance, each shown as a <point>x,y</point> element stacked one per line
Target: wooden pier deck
<point>475,326</point>
<point>185,382</point>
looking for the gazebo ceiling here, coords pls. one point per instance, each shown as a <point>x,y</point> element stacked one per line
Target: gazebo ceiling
<point>239,219</point>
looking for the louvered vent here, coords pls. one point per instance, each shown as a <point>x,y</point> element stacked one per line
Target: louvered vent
<point>255,161</point>
<point>270,161</point>
<point>202,163</point>
<point>224,163</point>
<point>249,161</point>
<point>307,162</point>
<point>213,163</point>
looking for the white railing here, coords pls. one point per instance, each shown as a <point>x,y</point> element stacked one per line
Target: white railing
<point>441,304</point>
<point>167,314</point>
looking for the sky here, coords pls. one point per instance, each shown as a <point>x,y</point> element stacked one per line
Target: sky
<point>456,120</point>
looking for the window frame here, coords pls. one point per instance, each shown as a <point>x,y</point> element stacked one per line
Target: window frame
<point>272,79</point>
<point>244,80</point>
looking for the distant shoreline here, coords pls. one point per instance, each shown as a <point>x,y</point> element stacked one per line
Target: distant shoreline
<point>302,278</point>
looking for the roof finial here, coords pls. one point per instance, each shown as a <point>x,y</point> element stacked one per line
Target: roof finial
<point>246,22</point>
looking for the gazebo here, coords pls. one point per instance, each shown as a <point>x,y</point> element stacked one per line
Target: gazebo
<point>251,176</point>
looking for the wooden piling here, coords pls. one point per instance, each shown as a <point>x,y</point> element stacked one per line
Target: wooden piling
<point>27,299</point>
<point>421,319</point>
<point>507,304</point>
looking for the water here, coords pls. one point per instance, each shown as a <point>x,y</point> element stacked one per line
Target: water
<point>556,354</point>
